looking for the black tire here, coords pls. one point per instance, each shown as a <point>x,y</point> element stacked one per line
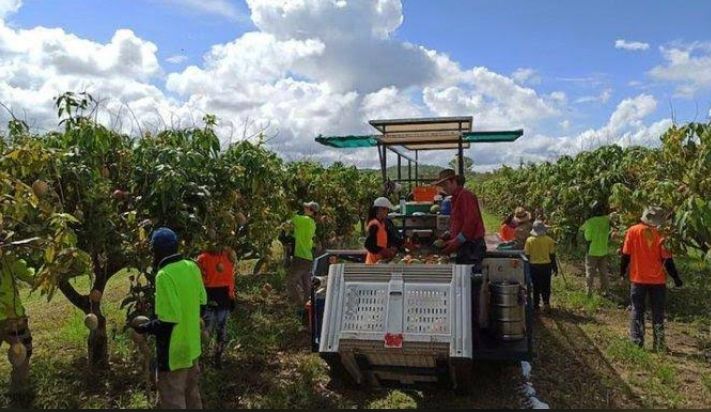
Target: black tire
<point>340,377</point>
<point>463,376</point>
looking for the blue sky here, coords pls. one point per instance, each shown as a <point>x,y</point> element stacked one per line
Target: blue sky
<point>563,51</point>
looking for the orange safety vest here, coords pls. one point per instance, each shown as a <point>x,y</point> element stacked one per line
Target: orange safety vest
<point>507,233</point>
<point>382,241</point>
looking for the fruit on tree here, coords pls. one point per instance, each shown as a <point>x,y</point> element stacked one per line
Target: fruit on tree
<point>241,219</point>
<point>91,321</point>
<point>95,295</point>
<point>119,194</point>
<point>220,267</point>
<point>139,320</point>
<point>136,337</point>
<point>40,188</point>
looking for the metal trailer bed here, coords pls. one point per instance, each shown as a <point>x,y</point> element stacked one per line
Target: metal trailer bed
<point>365,358</point>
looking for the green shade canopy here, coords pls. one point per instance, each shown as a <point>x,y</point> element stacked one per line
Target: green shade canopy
<point>430,133</point>
<point>355,141</point>
<point>348,142</point>
<point>492,136</point>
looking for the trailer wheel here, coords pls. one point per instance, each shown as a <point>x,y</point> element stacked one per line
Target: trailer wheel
<point>463,375</point>
<point>340,378</point>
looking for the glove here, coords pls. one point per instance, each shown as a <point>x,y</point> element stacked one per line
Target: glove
<point>446,236</point>
<point>450,247</point>
<point>387,253</point>
<point>677,282</point>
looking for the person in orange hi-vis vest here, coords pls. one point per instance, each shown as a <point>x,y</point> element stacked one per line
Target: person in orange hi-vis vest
<point>507,231</point>
<point>218,274</point>
<point>381,242</point>
<point>648,262</point>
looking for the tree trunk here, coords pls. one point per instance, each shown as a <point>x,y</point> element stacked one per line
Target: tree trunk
<point>98,344</point>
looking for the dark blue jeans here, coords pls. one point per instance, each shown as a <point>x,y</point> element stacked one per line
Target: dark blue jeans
<point>657,298</point>
<point>216,322</point>
<point>541,279</point>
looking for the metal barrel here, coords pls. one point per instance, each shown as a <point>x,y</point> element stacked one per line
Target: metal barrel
<point>507,311</point>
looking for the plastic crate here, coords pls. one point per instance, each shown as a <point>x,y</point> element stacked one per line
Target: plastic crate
<point>424,193</point>
<point>400,316</point>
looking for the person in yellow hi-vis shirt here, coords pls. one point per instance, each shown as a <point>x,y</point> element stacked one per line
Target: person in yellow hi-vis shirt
<point>179,295</point>
<point>14,326</point>
<point>540,251</point>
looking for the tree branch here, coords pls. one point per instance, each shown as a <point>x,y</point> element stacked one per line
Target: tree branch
<point>77,299</point>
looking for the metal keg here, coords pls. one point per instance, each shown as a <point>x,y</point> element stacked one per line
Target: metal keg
<point>507,310</point>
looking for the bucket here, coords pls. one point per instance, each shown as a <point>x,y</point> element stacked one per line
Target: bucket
<point>507,311</point>
<point>446,207</point>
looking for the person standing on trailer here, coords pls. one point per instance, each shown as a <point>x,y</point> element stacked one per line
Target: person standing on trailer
<point>522,220</point>
<point>648,262</point>
<point>466,226</point>
<point>382,241</point>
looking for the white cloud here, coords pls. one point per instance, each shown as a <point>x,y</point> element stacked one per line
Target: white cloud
<point>8,7</point>
<point>312,67</point>
<point>526,76</point>
<point>177,59</point>
<point>687,65</point>
<point>631,45</point>
<point>224,8</point>
<point>603,97</point>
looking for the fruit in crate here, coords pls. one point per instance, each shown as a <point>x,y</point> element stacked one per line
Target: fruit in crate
<point>434,209</point>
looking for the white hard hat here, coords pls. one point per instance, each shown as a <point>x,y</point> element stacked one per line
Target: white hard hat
<point>383,202</point>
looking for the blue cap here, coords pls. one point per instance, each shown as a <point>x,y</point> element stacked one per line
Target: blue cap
<point>164,240</point>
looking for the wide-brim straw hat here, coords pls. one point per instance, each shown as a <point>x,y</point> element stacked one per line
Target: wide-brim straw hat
<point>521,215</point>
<point>445,174</point>
<point>653,216</point>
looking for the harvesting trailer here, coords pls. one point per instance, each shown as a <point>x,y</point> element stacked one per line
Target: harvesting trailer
<point>419,323</point>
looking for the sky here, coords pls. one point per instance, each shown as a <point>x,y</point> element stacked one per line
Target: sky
<point>573,75</point>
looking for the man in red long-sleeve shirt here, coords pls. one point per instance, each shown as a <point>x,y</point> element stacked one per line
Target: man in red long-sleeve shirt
<point>466,225</point>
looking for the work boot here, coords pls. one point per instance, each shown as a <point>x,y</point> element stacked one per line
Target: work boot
<point>546,308</point>
<point>660,344</point>
<point>217,359</point>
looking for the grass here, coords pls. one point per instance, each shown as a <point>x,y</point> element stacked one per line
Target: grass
<point>491,222</point>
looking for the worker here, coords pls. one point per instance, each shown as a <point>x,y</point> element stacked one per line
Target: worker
<point>382,240</point>
<point>179,296</point>
<point>522,220</point>
<point>645,258</point>
<point>507,231</point>
<point>540,251</point>
<point>14,325</point>
<point>466,226</point>
<point>298,282</point>
<point>596,231</point>
<point>218,276</point>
